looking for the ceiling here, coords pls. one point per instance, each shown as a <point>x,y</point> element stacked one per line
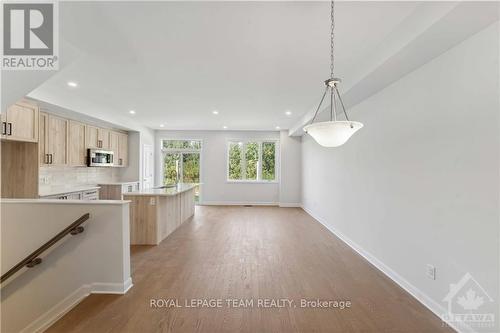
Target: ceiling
<point>176,62</point>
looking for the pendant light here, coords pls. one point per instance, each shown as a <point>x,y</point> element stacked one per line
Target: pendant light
<point>335,132</point>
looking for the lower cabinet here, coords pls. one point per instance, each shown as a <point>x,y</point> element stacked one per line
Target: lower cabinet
<point>116,191</point>
<point>83,195</point>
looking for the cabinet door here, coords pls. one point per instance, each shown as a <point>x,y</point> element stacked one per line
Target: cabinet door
<point>43,145</point>
<point>22,122</point>
<point>76,144</point>
<point>103,138</point>
<point>123,149</point>
<point>114,139</point>
<point>58,140</point>
<point>3,128</point>
<point>91,136</point>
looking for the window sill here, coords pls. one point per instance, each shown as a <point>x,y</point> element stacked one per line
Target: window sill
<point>252,181</point>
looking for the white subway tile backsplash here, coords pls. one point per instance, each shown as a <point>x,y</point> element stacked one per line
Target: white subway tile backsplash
<point>69,176</point>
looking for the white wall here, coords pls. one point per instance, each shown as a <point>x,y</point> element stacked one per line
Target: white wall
<point>291,170</point>
<point>95,261</point>
<point>419,183</point>
<point>215,188</point>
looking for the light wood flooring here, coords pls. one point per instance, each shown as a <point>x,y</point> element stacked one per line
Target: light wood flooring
<point>251,253</point>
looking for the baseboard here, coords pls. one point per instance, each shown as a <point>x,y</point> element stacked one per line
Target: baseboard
<point>112,288</point>
<point>420,296</point>
<point>236,203</point>
<point>60,309</point>
<point>290,204</point>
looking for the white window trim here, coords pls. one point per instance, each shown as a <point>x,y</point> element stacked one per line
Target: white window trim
<point>259,180</point>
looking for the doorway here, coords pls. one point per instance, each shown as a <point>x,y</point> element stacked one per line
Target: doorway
<point>182,163</point>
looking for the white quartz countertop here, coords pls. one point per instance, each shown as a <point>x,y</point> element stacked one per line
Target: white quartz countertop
<point>119,183</point>
<point>65,189</point>
<point>169,191</point>
<point>64,202</point>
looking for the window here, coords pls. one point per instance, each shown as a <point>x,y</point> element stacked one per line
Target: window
<point>181,162</point>
<point>251,161</point>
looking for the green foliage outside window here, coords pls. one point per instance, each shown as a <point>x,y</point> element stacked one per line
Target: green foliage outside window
<point>191,167</point>
<point>182,144</point>
<point>252,158</point>
<point>170,168</point>
<point>245,159</point>
<point>268,160</point>
<point>235,161</point>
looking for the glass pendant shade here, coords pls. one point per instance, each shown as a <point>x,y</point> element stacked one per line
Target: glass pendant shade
<point>332,133</point>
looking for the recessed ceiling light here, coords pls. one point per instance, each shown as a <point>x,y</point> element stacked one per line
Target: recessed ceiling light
<point>288,113</point>
<point>72,84</point>
<point>161,125</point>
<point>277,127</point>
<point>224,127</point>
<point>215,112</point>
<point>131,112</point>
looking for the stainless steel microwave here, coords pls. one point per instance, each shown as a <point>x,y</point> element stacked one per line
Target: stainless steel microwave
<point>99,158</point>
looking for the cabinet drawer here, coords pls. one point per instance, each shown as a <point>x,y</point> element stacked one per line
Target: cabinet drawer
<point>90,195</point>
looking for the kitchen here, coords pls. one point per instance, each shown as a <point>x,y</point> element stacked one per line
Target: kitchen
<point>53,153</point>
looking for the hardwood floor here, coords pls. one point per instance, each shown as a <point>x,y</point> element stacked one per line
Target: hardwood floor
<point>250,253</point>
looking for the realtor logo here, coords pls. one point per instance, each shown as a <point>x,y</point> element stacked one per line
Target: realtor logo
<point>468,303</point>
<point>29,39</point>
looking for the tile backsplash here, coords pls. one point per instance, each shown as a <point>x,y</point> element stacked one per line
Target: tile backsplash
<point>54,176</point>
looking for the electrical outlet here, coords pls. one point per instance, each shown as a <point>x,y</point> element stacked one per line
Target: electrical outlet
<point>152,201</point>
<point>431,272</point>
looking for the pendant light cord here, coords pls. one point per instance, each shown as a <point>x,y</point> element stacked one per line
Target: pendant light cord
<point>332,35</point>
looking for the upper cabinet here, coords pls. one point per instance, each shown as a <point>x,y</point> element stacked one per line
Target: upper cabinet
<point>53,149</point>
<point>118,143</point>
<point>123,149</point>
<point>91,136</point>
<point>77,154</point>
<point>103,138</point>
<point>96,137</point>
<point>60,141</point>
<point>20,122</point>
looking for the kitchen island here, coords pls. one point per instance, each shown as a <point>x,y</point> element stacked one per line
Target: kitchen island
<point>155,213</point>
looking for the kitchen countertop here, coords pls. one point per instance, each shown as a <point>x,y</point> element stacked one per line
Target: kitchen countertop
<point>170,191</point>
<point>119,183</point>
<point>66,189</point>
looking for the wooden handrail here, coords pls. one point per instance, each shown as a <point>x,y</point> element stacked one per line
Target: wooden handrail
<point>33,259</point>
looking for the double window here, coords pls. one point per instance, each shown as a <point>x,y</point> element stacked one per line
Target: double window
<point>252,161</point>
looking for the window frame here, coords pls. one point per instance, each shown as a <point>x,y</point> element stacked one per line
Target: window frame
<point>259,179</point>
<point>163,151</point>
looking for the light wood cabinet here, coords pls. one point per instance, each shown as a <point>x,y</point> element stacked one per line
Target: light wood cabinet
<point>91,136</point>
<point>20,122</point>
<point>58,140</point>
<point>43,145</point>
<point>96,137</point>
<point>114,140</point>
<point>54,147</point>
<point>123,150</point>
<point>103,138</point>
<point>118,143</point>
<point>76,144</point>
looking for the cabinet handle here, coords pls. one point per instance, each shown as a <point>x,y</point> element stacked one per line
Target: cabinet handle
<point>46,158</point>
<point>121,161</point>
<point>50,158</point>
<point>9,128</point>
<point>4,128</point>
